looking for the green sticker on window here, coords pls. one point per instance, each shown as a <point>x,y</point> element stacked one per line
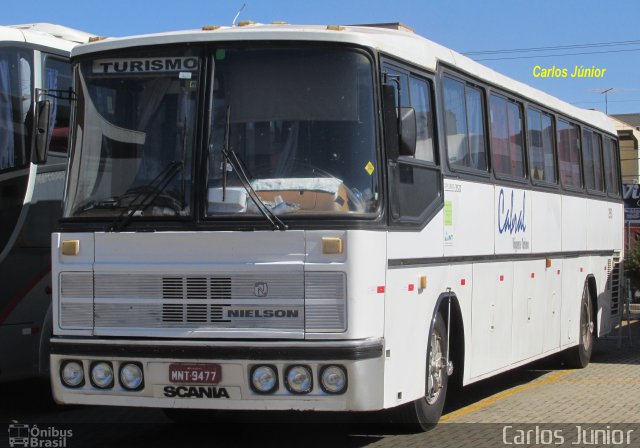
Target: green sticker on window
<point>448,213</point>
<point>220,54</point>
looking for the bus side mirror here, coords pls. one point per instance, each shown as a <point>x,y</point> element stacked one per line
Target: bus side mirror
<point>399,124</point>
<point>390,118</point>
<point>408,135</point>
<point>41,131</point>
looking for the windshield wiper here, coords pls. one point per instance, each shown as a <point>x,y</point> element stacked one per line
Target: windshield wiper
<point>231,156</point>
<point>152,190</point>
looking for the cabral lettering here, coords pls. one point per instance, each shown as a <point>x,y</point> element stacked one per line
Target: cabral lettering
<point>195,392</point>
<point>510,220</point>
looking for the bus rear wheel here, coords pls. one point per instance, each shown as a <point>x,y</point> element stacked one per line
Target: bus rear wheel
<point>578,357</point>
<point>424,413</point>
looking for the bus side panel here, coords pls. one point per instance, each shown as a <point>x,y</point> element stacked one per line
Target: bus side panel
<point>599,231</point>
<point>530,320</point>
<point>552,295</point>
<point>572,284</point>
<point>492,311</point>
<point>469,220</point>
<point>574,224</point>
<point>546,222</point>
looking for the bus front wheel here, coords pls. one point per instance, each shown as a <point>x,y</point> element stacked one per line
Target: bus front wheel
<point>424,413</point>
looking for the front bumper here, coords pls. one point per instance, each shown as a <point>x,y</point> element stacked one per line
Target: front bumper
<point>362,359</point>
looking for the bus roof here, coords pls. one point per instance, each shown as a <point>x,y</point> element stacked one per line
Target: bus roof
<point>391,38</point>
<point>45,34</point>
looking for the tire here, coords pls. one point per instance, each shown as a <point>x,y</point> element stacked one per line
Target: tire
<point>578,357</point>
<point>424,413</point>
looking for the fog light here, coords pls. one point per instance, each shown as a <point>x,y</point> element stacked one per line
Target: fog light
<point>102,375</point>
<point>131,376</point>
<point>333,379</point>
<point>72,373</point>
<point>299,380</point>
<point>264,379</point>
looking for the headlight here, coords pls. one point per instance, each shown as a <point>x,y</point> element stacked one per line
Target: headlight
<point>72,373</point>
<point>298,379</point>
<point>333,379</point>
<point>264,379</point>
<point>102,375</point>
<point>131,376</point>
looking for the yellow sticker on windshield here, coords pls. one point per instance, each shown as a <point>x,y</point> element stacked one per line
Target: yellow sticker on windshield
<point>369,168</point>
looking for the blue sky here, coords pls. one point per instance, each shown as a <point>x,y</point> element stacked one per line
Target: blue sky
<point>462,25</point>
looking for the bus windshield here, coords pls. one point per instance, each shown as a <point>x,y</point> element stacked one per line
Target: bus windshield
<point>134,136</point>
<point>301,121</point>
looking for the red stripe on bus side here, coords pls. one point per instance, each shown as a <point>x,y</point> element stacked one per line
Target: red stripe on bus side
<point>15,301</point>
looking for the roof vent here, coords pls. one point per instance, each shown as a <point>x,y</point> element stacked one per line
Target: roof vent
<point>390,26</point>
<point>211,27</point>
<point>96,38</point>
<point>246,22</point>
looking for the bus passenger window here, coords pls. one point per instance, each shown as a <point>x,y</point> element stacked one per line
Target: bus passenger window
<point>592,160</point>
<point>421,103</point>
<point>611,165</point>
<point>15,102</point>
<point>541,160</point>
<point>506,137</point>
<point>464,125</point>
<point>57,78</point>
<point>569,154</point>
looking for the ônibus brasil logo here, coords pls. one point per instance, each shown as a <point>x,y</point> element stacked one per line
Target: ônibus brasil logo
<point>22,435</point>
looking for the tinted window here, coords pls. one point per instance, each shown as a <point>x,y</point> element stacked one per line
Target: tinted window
<point>506,137</point>
<point>541,140</point>
<point>611,170</point>
<point>15,104</point>
<point>464,124</point>
<point>57,80</point>
<point>421,103</point>
<point>592,160</point>
<point>569,154</point>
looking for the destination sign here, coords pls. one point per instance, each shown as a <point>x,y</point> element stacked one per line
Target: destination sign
<point>145,65</point>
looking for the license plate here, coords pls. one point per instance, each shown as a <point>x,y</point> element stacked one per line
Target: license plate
<point>195,373</point>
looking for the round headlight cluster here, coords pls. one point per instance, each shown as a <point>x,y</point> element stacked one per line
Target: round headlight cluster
<point>102,375</point>
<point>131,377</point>
<point>72,374</point>
<point>264,379</point>
<point>298,379</point>
<point>333,379</point>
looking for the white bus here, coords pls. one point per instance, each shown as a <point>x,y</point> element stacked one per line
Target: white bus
<point>327,218</point>
<point>34,67</point>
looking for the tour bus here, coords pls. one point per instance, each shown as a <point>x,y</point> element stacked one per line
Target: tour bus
<point>34,67</point>
<point>327,218</point>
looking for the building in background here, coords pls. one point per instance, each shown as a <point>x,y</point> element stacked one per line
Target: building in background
<point>628,128</point>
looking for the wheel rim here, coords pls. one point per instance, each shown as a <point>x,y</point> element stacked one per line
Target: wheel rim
<point>586,320</point>
<point>435,369</point>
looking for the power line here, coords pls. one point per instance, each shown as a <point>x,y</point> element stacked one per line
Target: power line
<point>611,101</point>
<point>553,48</point>
<point>558,55</point>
